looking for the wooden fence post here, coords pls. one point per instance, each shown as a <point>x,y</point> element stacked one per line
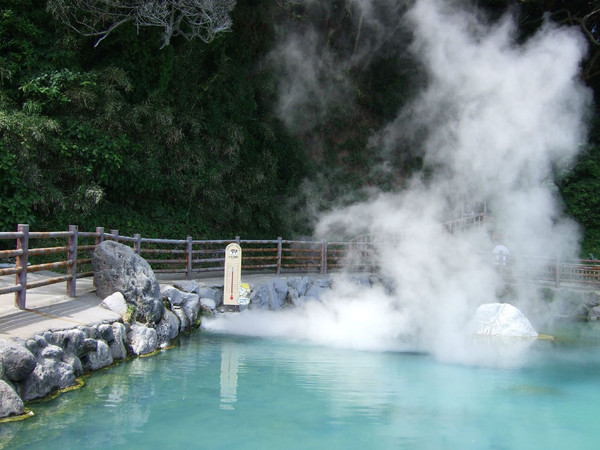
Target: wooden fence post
<point>188,254</point>
<point>557,273</point>
<point>72,256</point>
<point>279,254</point>
<point>21,278</point>
<point>323,256</point>
<point>99,235</point>
<point>237,240</point>
<point>138,243</point>
<point>114,235</point>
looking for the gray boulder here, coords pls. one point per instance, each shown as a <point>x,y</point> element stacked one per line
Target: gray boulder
<point>105,332</point>
<point>299,285</point>
<point>173,295</point>
<point>143,340</point>
<point>102,357</point>
<point>184,322</point>
<point>17,361</point>
<point>269,295</point>
<point>167,329</point>
<point>208,303</point>
<point>260,297</point>
<point>50,374</point>
<point>117,268</point>
<point>10,403</point>
<point>316,292</point>
<point>74,362</point>
<point>117,345</point>
<point>189,286</point>
<point>191,307</point>
<point>208,292</point>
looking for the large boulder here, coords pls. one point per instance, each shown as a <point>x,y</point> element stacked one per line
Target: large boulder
<point>117,268</point>
<point>143,340</point>
<point>167,329</point>
<point>117,346</point>
<point>50,374</point>
<point>17,361</point>
<point>10,403</point>
<point>102,357</point>
<point>269,295</point>
<point>501,319</point>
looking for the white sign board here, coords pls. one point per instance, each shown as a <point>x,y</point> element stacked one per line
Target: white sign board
<point>233,275</point>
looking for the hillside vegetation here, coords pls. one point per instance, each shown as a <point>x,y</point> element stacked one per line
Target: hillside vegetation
<point>203,137</point>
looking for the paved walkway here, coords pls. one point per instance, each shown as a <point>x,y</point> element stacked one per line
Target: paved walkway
<point>49,307</point>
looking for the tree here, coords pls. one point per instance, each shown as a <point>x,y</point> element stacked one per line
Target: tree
<point>203,19</point>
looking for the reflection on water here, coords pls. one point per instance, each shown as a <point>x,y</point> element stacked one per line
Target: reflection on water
<point>230,362</point>
<point>224,392</point>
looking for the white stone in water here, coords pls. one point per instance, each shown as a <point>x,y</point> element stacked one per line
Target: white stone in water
<point>501,319</point>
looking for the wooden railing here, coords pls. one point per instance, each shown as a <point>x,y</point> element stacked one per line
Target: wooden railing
<point>189,256</point>
<point>184,256</point>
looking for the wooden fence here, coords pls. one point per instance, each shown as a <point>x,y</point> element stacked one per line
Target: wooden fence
<point>189,256</point>
<point>186,256</point>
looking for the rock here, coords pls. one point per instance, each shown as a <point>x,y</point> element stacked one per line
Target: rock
<point>117,346</point>
<point>299,285</point>
<point>207,292</point>
<point>260,297</point>
<point>174,296</point>
<point>89,345</point>
<point>269,295</point>
<point>143,340</point>
<point>74,341</point>
<point>117,268</point>
<point>74,362</point>
<point>592,299</point>
<point>280,289</point>
<point>316,292</point>
<point>48,375</point>
<point>53,352</point>
<point>105,332</point>
<point>167,329</point>
<point>10,403</point>
<point>116,303</point>
<point>189,286</point>
<point>208,303</point>
<point>363,280</point>
<point>102,357</point>
<point>593,313</point>
<point>191,307</point>
<point>501,319</point>
<point>184,322</point>
<point>17,361</point>
<point>324,283</point>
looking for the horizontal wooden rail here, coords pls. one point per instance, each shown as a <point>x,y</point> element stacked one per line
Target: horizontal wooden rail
<point>189,256</point>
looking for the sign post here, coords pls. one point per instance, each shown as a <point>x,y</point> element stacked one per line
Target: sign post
<point>233,275</point>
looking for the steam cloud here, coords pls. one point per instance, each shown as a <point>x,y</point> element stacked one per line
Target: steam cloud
<point>499,118</point>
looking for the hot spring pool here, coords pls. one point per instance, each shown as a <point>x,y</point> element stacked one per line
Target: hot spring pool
<point>223,391</point>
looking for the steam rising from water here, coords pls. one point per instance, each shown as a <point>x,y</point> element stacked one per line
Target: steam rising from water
<point>498,119</point>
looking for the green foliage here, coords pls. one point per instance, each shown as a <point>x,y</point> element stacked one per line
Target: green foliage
<point>580,189</point>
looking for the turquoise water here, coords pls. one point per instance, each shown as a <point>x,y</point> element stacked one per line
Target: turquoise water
<point>222,391</point>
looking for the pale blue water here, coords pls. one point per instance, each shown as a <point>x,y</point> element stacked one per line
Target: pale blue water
<point>219,391</point>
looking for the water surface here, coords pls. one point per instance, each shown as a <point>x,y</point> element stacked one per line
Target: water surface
<point>223,391</point>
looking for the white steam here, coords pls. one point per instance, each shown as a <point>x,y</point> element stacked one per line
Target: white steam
<point>499,118</point>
